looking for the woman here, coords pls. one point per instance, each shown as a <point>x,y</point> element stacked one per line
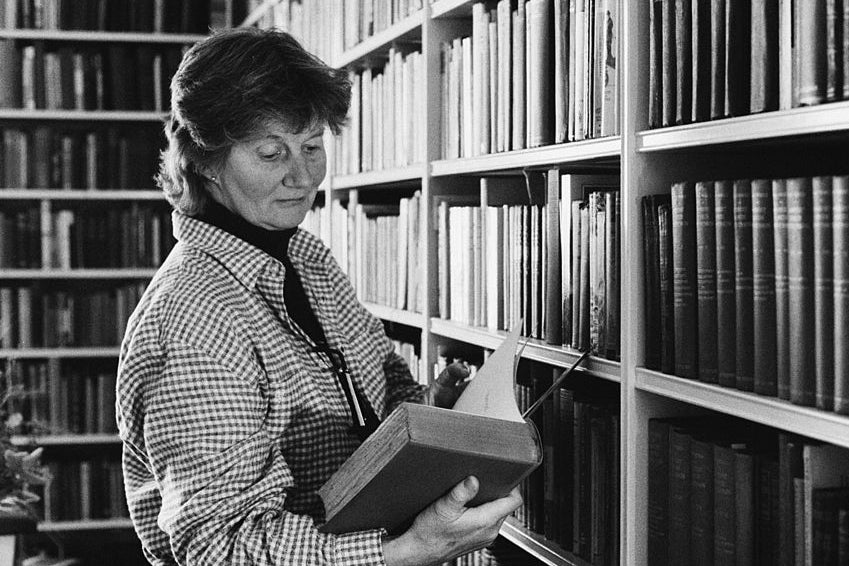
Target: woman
<point>249,371</point>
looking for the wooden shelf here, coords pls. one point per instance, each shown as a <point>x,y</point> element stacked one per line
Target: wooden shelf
<point>602,153</point>
<point>65,439</point>
<point>82,115</point>
<point>405,30</point>
<point>407,318</point>
<point>536,350</point>
<point>101,36</point>
<point>770,411</point>
<point>811,120</point>
<point>117,273</point>
<point>538,546</point>
<point>81,194</point>
<point>413,173</point>
<point>85,525</point>
<point>40,353</point>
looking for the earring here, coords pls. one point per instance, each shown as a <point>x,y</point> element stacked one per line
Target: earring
<point>213,178</point>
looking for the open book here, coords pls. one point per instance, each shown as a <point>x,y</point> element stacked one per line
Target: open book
<point>420,452</point>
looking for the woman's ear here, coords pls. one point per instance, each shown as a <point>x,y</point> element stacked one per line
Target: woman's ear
<point>208,174</point>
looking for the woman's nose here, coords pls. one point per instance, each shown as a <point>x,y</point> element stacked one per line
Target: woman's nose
<point>297,175</point>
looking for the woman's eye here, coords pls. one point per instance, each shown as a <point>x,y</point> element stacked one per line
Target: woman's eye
<point>311,149</point>
<point>269,151</point>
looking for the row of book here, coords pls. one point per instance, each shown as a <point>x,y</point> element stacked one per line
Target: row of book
<point>545,72</point>
<point>115,76</point>
<point>365,18</point>
<point>85,489</point>
<point>171,16</point>
<point>725,492</point>
<point>60,397</point>
<point>554,266</point>
<point>50,157</point>
<point>387,117</point>
<point>121,236</point>
<point>710,60</point>
<point>381,252</point>
<point>747,285</point>
<point>32,317</point>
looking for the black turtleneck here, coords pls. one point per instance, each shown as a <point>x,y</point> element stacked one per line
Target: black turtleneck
<point>276,244</point>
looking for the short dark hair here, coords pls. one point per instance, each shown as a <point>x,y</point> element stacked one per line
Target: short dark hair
<point>226,88</point>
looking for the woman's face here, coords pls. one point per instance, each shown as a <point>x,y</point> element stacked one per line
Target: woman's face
<point>271,180</point>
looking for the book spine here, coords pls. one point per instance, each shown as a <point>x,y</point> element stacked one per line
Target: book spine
<point>701,503</point>
<point>782,306</point>
<point>656,64</point>
<point>668,63</point>
<point>701,60</point>
<point>726,306</point>
<point>840,220</point>
<point>679,497</point>
<point>737,57</point>
<point>658,508</point>
<point>834,67</point>
<point>683,58</point>
<point>823,293</point>
<point>800,253</point>
<point>764,55</point>
<point>724,541</point>
<point>684,280</point>
<point>553,283</point>
<point>763,278</point>
<point>667,305</point>
<point>743,287</point>
<point>717,59</point>
<point>744,502</point>
<point>812,51</point>
<point>706,280</point>
<point>651,276</point>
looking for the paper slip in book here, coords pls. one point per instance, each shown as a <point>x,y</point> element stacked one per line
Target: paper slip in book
<point>420,452</point>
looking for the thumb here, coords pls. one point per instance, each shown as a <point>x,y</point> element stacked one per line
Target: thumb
<point>452,505</point>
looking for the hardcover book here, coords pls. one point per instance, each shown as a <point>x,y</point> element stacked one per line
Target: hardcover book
<point>420,452</point>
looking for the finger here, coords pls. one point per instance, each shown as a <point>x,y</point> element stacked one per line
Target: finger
<point>502,506</point>
<point>453,504</point>
<point>458,372</point>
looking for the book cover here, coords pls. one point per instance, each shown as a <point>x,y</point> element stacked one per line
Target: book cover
<point>701,502</point>
<point>540,89</point>
<point>651,275</point>
<point>726,306</point>
<point>717,59</point>
<point>684,280</point>
<point>782,305</point>
<point>763,280</point>
<point>553,269</point>
<point>840,220</point>
<point>812,49</point>
<point>800,268</point>
<point>701,60</point>
<point>724,505</point>
<point>656,64</point>
<point>667,305</point>
<point>420,452</point>
<point>744,505</point>
<point>764,56</point>
<point>823,294</point>
<point>706,280</point>
<point>743,287</point>
<point>669,65</point>
<point>680,518</point>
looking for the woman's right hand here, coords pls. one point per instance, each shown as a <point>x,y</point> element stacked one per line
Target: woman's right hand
<point>447,528</point>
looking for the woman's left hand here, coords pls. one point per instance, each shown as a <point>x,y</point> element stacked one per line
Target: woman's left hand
<point>448,386</point>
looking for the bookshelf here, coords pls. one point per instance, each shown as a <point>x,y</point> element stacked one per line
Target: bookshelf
<point>786,140</point>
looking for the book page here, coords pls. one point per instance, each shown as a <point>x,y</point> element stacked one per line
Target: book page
<point>490,393</point>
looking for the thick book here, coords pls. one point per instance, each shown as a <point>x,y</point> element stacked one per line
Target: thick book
<point>823,294</point>
<point>420,452</point>
<point>764,54</point>
<point>701,502</point>
<point>701,60</point>
<point>553,268</point>
<point>782,298</point>
<point>800,268</point>
<point>840,220</point>
<point>651,275</point>
<point>667,307</point>
<point>655,63</point>
<point>726,309</point>
<point>717,59</point>
<point>683,60</point>
<point>763,278</point>
<point>706,280</point>
<point>668,64</point>
<point>540,73</point>
<point>812,51</point>
<point>684,280</point>
<point>724,504</point>
<point>743,288</point>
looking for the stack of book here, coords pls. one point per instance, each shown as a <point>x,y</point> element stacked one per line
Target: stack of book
<point>747,286</point>
<point>722,490</point>
<point>545,72</point>
<point>387,108</point>
<point>186,16</point>
<point>132,235</point>
<point>84,489</point>
<point>36,316</point>
<point>713,59</point>
<point>51,157</point>
<point>57,397</point>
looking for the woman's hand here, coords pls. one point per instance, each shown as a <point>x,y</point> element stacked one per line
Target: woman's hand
<point>447,387</point>
<point>447,528</point>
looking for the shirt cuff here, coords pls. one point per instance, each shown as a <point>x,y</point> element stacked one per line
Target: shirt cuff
<point>363,547</point>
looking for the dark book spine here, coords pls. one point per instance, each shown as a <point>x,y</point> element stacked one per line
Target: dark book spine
<point>706,280</point>
<point>823,294</point>
<point>683,62</point>
<point>782,305</point>
<point>612,262</point>
<point>684,280</point>
<point>800,252</point>
<point>717,59</point>
<point>764,54</point>
<point>679,497</point>
<point>834,50</point>
<point>763,278</point>
<point>701,60</point>
<point>658,509</point>
<point>655,63</point>
<point>825,505</point>
<point>766,502</point>
<point>812,50</point>
<point>744,505</point>
<point>843,536</point>
<point>743,288</point>
<point>651,276</point>
<point>701,502</point>
<point>840,219</point>
<point>582,483</point>
<point>726,307</point>
<point>724,516</point>
<point>667,306</point>
<point>565,467</point>
<point>669,65</point>
<point>550,418</point>
<point>737,57</point>
<point>553,269</point>
<point>789,467</point>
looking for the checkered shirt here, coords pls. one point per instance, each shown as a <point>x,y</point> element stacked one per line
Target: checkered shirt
<point>230,421</point>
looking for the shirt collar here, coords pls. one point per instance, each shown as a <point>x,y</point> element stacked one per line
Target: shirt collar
<point>246,261</point>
